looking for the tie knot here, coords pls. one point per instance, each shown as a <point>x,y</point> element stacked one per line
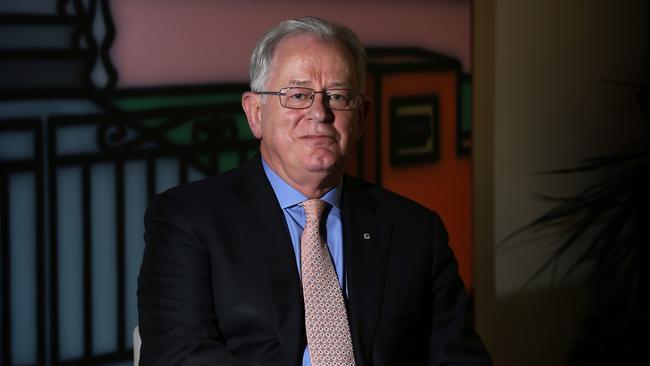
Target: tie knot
<point>314,210</point>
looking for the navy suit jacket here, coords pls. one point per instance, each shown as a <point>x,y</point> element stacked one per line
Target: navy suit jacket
<point>219,285</point>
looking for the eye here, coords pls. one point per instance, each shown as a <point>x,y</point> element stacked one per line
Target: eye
<point>298,96</point>
<point>338,97</point>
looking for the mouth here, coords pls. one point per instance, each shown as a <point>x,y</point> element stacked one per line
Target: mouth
<point>319,138</point>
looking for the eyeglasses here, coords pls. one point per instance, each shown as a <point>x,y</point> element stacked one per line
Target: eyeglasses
<point>302,98</point>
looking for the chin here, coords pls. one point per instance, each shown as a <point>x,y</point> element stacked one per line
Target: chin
<point>321,159</point>
<point>321,165</point>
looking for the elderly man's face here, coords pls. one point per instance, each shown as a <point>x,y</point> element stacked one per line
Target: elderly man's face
<point>306,145</point>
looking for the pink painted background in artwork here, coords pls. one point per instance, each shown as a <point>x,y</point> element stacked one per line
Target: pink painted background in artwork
<point>189,42</point>
<point>173,42</point>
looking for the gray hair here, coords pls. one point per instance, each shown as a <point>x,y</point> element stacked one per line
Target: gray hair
<point>260,62</point>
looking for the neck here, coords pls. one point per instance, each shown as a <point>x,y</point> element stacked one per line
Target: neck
<point>310,184</point>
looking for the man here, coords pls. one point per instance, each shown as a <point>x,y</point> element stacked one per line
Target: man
<point>286,261</point>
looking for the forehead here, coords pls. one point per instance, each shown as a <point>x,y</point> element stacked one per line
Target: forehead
<point>307,60</point>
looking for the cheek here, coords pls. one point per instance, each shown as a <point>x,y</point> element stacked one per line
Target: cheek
<point>281,131</point>
<point>349,133</point>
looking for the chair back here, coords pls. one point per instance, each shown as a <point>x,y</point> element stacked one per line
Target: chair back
<point>137,343</point>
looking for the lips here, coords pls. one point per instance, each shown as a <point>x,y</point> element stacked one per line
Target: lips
<point>319,138</point>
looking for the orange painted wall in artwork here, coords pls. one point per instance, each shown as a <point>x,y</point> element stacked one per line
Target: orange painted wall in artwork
<point>443,186</point>
<point>171,43</point>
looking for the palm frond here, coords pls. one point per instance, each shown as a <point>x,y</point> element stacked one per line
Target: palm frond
<point>599,216</point>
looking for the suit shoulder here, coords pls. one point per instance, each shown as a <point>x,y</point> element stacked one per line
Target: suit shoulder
<point>199,191</point>
<point>391,203</point>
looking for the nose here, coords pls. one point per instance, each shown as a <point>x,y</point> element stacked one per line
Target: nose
<point>319,111</point>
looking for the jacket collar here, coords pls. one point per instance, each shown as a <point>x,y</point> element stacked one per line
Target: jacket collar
<point>263,229</point>
<point>366,234</point>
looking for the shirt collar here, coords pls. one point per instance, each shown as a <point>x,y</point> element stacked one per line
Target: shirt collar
<point>289,196</point>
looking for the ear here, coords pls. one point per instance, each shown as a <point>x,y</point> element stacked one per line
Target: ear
<point>362,115</point>
<point>251,103</point>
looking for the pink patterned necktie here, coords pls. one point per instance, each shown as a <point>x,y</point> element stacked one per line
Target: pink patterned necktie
<point>326,321</point>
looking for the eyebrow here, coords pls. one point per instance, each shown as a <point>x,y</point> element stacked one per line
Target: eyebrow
<point>340,85</point>
<point>299,82</point>
<point>308,83</point>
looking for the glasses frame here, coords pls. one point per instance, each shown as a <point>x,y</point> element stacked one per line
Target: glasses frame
<point>283,91</point>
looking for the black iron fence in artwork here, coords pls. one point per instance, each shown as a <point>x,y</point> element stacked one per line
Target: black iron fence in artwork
<point>87,180</point>
<point>22,193</point>
<point>56,47</point>
<point>79,161</point>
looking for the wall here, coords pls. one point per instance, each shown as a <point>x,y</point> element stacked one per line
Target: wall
<point>541,102</point>
<point>71,208</point>
<point>200,41</point>
<point>174,42</point>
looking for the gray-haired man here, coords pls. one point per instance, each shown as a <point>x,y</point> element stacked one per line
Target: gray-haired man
<point>287,260</point>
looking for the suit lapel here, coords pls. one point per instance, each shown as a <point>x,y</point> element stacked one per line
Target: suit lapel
<point>263,229</point>
<point>367,238</point>
<point>366,233</point>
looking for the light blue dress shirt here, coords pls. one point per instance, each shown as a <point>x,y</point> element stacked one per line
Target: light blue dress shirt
<point>290,200</point>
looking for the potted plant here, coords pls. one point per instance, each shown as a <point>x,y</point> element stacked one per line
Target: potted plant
<point>608,224</point>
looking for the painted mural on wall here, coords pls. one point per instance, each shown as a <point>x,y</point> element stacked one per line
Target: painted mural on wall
<point>79,159</point>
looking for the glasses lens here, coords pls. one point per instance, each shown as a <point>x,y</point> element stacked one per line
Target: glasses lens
<point>301,98</point>
<point>297,97</point>
<point>341,99</point>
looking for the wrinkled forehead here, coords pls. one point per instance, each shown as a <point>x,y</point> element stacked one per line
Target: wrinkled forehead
<point>300,59</point>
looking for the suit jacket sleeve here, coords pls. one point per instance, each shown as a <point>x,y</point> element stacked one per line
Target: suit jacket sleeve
<point>452,340</point>
<point>176,315</point>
